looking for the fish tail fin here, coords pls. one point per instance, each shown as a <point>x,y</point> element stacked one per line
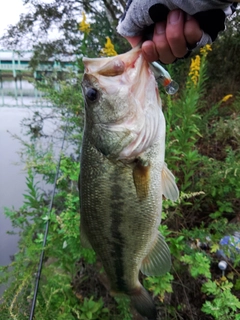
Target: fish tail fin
<point>143,303</point>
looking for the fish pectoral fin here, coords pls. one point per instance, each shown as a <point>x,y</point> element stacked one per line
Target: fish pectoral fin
<point>141,178</point>
<point>83,238</point>
<point>158,260</point>
<point>169,187</point>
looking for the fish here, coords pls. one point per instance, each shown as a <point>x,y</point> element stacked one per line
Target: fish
<point>123,174</point>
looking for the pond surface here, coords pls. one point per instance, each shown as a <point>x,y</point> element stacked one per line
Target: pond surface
<point>12,176</point>
<point>16,105</point>
<point>20,93</point>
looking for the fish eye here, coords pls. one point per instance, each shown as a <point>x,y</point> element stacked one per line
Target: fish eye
<point>92,94</point>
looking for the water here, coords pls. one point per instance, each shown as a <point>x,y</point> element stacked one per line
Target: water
<point>12,179</point>
<point>20,93</point>
<point>12,176</point>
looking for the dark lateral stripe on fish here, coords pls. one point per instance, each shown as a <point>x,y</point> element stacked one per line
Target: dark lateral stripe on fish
<point>116,236</point>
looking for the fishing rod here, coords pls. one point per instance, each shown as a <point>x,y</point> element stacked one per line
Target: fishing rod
<point>39,271</point>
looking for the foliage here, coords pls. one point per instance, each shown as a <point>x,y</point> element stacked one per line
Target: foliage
<point>93,310</point>
<point>199,264</point>
<point>159,285</point>
<point>223,60</point>
<point>225,304</point>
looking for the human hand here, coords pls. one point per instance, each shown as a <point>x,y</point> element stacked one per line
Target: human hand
<point>176,31</point>
<point>171,38</point>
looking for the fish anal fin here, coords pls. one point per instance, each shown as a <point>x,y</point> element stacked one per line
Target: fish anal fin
<point>158,260</point>
<point>141,177</point>
<point>169,187</point>
<point>83,238</point>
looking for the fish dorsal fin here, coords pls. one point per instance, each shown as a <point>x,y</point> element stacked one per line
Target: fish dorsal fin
<point>169,187</point>
<point>158,260</point>
<point>83,238</point>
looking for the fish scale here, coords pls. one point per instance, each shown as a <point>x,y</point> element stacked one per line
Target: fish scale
<point>110,199</point>
<point>121,191</point>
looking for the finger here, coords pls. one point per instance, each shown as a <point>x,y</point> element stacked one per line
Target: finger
<point>174,33</point>
<point>149,51</point>
<point>163,49</point>
<point>192,31</point>
<point>134,41</point>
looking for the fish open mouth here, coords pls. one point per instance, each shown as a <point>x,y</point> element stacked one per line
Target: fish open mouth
<point>111,66</point>
<point>129,103</point>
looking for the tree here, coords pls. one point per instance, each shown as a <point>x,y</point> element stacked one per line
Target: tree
<point>224,63</point>
<point>52,29</point>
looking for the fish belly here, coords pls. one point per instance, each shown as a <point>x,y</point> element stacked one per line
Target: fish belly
<point>119,223</point>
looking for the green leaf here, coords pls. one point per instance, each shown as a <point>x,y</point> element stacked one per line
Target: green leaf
<point>210,287</point>
<point>199,264</point>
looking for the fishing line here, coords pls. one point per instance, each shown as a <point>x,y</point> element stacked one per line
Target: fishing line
<point>38,275</point>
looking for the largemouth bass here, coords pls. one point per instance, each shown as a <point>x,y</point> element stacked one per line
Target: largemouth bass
<point>123,173</point>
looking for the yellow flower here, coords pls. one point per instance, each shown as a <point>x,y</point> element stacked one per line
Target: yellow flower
<point>108,50</point>
<point>204,51</point>
<point>226,98</point>
<point>83,25</point>
<point>194,69</point>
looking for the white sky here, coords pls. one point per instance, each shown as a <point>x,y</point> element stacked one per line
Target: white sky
<point>10,11</point>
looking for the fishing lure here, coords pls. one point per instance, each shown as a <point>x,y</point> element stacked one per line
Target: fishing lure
<point>162,76</point>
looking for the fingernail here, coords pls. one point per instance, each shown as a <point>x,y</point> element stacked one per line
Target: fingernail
<point>160,27</point>
<point>174,16</point>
